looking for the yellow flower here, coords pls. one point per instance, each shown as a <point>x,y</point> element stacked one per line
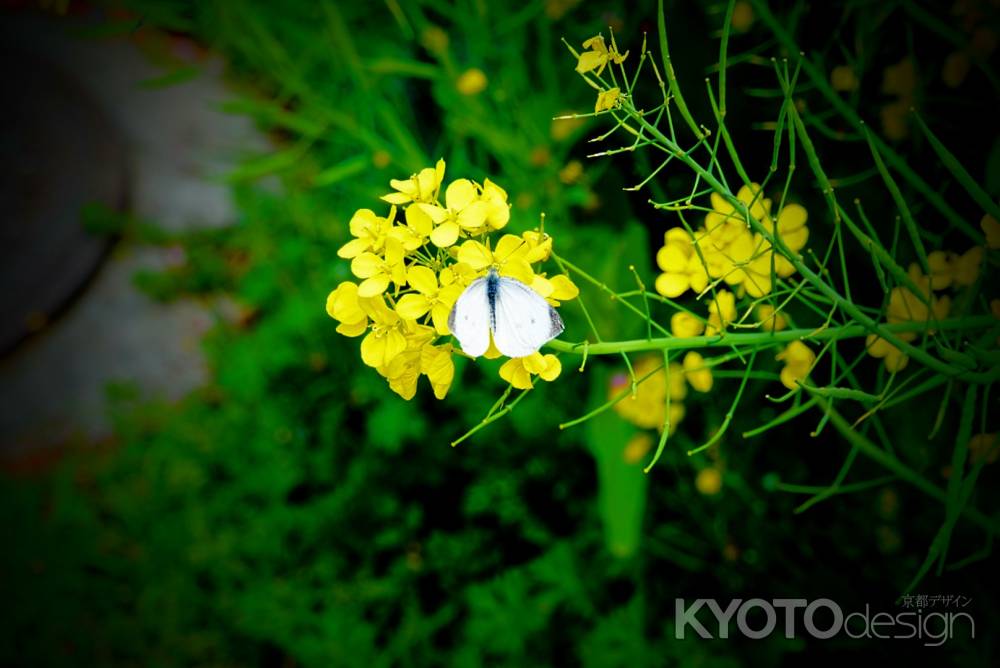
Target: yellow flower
<point>949,269</point>
<point>497,208</point>
<point>556,289</point>
<point>420,187</point>
<point>539,246</point>
<point>750,264</point>
<point>686,325</point>
<point>843,79</point>
<point>377,271</point>
<point>984,448</point>
<point>508,257</point>
<point>571,173</point>
<point>471,82</point>
<point>414,234</point>
<point>342,304</point>
<point>708,481</point>
<point>436,363</point>
<point>742,16</point>
<point>725,222</point>
<point>900,79</point>
<point>896,119</point>
<point>942,272</point>
<point>518,370</point>
<point>798,358</point>
<point>429,296</point>
<point>682,268</point>
<point>565,125</point>
<point>607,99</point>
<point>637,447</point>
<point>905,306</point>
<point>459,273</point>
<point>697,373</point>
<point>721,312</point>
<point>966,266</point>
<point>792,230</point>
<point>991,228</point>
<point>770,320</point>
<point>434,39</point>
<point>463,210</point>
<point>647,407</point>
<point>893,358</point>
<point>956,67</point>
<point>403,370</point>
<point>387,337</point>
<point>370,232</point>
<point>598,56</point>
<point>402,373</point>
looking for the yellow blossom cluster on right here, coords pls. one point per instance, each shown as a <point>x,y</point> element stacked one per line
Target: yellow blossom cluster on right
<point>726,248</point>
<point>948,270</point>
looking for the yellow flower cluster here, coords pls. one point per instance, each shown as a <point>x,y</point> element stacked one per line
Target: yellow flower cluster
<point>727,249</point>
<point>799,359</point>
<point>647,406</point>
<point>413,270</point>
<point>594,59</point>
<point>948,270</point>
<point>721,312</point>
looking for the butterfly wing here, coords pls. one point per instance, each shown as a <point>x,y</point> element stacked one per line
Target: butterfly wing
<point>524,321</point>
<point>469,319</point>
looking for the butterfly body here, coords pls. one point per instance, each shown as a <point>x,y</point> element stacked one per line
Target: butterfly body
<point>519,319</point>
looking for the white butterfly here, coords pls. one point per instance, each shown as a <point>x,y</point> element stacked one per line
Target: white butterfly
<point>519,318</point>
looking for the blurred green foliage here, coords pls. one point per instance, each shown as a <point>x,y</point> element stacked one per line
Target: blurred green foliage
<point>295,512</point>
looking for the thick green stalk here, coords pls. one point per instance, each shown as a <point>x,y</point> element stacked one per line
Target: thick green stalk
<point>729,340</point>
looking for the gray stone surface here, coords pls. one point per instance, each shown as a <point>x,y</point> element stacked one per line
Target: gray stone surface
<point>53,387</point>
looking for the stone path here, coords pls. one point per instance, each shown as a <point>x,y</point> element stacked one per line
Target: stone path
<point>53,386</point>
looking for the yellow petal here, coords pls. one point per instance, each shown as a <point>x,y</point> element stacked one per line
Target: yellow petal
<point>553,367</point>
<point>436,363</point>
<point>366,265</point>
<point>542,285</point>
<point>590,60</point>
<point>418,221</point>
<point>376,285</point>
<point>563,288</point>
<point>672,285</point>
<point>353,248</point>
<point>475,255</point>
<point>353,329</point>
<point>395,343</point>
<point>422,280</point>
<point>474,215</point>
<point>460,194</point>
<point>445,234</point>
<point>396,198</point>
<point>412,307</point>
<point>791,218</point>
<point>513,372</point>
<point>342,304</point>
<point>685,325</point>
<point>439,316</point>
<point>510,246</point>
<point>671,258</point>
<point>427,183</point>
<point>698,374</point>
<point>519,269</point>
<point>373,350</point>
<point>437,214</point>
